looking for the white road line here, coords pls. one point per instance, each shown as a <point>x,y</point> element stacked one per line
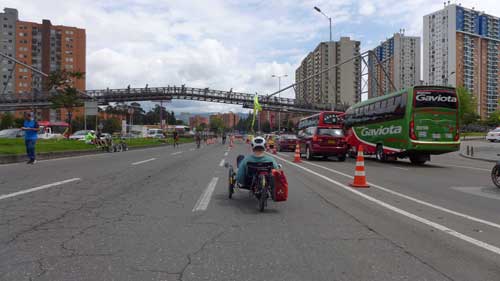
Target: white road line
<point>225,154</point>
<point>204,200</point>
<point>5,196</point>
<point>443,209</point>
<point>191,149</point>
<point>404,169</point>
<point>176,153</point>
<point>464,167</point>
<point>221,162</point>
<point>437,226</point>
<point>144,161</point>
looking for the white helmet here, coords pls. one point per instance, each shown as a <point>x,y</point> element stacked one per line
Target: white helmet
<point>92,132</point>
<point>259,142</point>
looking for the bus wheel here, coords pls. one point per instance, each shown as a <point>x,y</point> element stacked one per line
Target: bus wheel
<point>380,153</point>
<point>418,159</point>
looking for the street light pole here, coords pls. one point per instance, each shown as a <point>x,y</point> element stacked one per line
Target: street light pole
<point>329,20</point>
<point>279,96</point>
<point>448,76</point>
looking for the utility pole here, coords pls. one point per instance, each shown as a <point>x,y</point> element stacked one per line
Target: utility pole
<point>279,97</point>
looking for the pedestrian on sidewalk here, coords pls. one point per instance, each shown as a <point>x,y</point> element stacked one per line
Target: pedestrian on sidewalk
<point>30,129</point>
<point>176,139</point>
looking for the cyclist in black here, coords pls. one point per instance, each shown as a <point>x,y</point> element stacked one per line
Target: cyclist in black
<point>198,139</point>
<point>176,138</point>
<point>224,137</point>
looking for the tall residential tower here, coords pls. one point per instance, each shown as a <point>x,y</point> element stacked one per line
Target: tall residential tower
<point>335,88</point>
<point>462,48</point>
<point>400,58</point>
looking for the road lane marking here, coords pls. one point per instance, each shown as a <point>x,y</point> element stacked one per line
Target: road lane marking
<point>221,162</point>
<point>464,167</point>
<point>225,154</point>
<point>176,153</point>
<point>404,169</point>
<point>5,196</point>
<point>204,200</point>
<point>144,161</point>
<point>443,209</point>
<point>437,226</point>
<point>191,149</point>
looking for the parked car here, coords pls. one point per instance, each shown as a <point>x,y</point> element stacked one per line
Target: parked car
<point>493,135</point>
<point>79,135</point>
<point>287,142</point>
<point>155,134</point>
<point>322,141</point>
<point>11,133</point>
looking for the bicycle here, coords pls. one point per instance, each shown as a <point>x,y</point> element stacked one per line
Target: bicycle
<point>258,182</point>
<point>495,173</point>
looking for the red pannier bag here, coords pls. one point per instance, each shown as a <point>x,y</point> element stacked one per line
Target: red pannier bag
<point>280,186</point>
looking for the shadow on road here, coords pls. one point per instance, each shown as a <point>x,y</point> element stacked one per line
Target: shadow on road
<point>243,202</point>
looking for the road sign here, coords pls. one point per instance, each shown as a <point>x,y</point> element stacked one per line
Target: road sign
<point>90,108</point>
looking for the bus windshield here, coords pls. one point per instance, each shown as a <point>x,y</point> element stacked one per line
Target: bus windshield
<point>330,118</point>
<point>435,99</point>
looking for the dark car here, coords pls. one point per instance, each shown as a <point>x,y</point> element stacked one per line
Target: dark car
<point>323,141</point>
<point>287,142</point>
<point>11,133</point>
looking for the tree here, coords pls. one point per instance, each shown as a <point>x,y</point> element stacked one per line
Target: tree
<point>467,105</point>
<point>216,124</point>
<point>7,121</point>
<point>139,114</point>
<point>494,118</point>
<point>66,95</point>
<point>18,122</point>
<point>111,125</point>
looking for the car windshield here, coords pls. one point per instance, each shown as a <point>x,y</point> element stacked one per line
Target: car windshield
<point>496,130</point>
<point>288,137</point>
<point>330,132</point>
<point>80,133</point>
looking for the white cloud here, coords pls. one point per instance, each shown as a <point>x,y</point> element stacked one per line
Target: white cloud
<point>366,8</point>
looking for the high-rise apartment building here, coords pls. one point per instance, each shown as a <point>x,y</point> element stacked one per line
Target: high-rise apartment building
<point>462,48</point>
<point>44,46</point>
<point>399,58</point>
<point>335,88</point>
<point>8,20</point>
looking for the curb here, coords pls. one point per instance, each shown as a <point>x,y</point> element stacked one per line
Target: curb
<point>475,158</point>
<point>8,159</point>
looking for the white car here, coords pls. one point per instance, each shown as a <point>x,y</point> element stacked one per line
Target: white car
<point>493,135</point>
<point>79,135</point>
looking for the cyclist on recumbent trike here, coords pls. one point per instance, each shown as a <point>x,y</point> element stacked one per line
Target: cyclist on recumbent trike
<point>255,173</point>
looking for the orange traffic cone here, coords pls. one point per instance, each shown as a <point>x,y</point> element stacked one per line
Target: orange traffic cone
<point>297,154</point>
<point>359,173</point>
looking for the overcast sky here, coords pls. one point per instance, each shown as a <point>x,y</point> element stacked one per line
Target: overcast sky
<point>220,44</point>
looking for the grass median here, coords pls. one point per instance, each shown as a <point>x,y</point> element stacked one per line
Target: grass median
<point>16,146</point>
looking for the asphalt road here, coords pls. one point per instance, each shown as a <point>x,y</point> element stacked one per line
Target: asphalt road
<point>163,214</point>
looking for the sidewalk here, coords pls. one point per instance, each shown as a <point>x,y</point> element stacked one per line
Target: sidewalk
<point>480,150</point>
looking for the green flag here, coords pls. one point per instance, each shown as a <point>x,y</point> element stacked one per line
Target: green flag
<point>256,108</point>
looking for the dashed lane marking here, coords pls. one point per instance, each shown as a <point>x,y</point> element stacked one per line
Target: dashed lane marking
<point>225,154</point>
<point>144,161</point>
<point>204,200</point>
<point>5,196</point>
<point>176,153</point>
<point>191,149</point>
<point>404,169</point>
<point>427,222</point>
<point>221,162</point>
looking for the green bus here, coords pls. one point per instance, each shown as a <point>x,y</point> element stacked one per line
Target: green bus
<point>415,123</point>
